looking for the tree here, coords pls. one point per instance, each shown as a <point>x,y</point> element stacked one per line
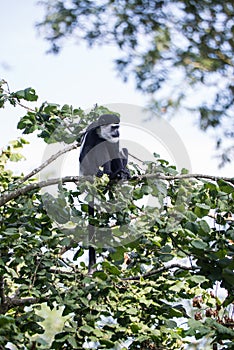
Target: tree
<point>180,53</point>
<point>153,286</point>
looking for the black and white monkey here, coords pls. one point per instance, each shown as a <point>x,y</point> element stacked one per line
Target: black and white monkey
<point>100,154</point>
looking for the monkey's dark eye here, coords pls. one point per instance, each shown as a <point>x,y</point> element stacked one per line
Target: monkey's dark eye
<point>115,130</point>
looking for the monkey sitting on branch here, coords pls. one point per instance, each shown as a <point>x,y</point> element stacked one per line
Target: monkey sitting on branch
<point>100,154</point>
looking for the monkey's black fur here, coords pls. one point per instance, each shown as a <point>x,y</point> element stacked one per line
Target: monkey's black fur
<point>97,152</point>
<point>101,155</point>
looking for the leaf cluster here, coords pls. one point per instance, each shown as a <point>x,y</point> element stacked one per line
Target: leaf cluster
<point>163,241</point>
<point>172,49</point>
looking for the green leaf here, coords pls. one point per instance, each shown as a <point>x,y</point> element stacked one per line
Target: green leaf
<point>108,343</point>
<point>146,189</point>
<point>178,286</point>
<point>132,311</point>
<point>112,269</point>
<point>166,249</point>
<point>84,301</point>
<point>176,312</point>
<point>5,320</point>
<point>137,193</point>
<point>28,94</point>
<point>98,332</point>
<point>51,108</point>
<point>86,329</point>
<point>201,210</point>
<point>170,324</point>
<point>118,253</point>
<point>199,244</point>
<point>226,187</point>
<point>198,279</point>
<point>102,275</point>
<point>228,332</point>
<point>197,329</point>
<point>161,187</point>
<point>72,342</point>
<point>65,241</point>
<point>85,208</point>
<point>135,327</point>
<point>28,123</point>
<point>204,226</point>
<point>228,274</point>
<point>190,216</point>
<point>166,257</point>
<point>11,272</point>
<point>16,157</point>
<point>12,232</point>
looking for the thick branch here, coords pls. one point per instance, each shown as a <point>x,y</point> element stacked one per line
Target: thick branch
<point>155,272</point>
<point>14,302</point>
<point>8,196</point>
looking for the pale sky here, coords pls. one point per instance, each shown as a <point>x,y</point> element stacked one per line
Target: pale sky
<point>80,77</point>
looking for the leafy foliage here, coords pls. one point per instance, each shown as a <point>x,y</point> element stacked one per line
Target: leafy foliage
<point>158,264</point>
<point>179,52</point>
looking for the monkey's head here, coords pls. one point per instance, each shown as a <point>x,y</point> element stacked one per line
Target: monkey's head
<point>109,132</point>
<point>107,127</point>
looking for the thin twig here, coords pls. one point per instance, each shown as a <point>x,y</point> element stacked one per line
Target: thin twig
<point>49,161</point>
<point>155,272</point>
<point>136,158</point>
<point>25,107</point>
<point>181,249</point>
<point>186,176</point>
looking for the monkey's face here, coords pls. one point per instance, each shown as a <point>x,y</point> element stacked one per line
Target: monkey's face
<point>109,132</point>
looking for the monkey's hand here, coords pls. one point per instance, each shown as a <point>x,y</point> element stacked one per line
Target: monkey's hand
<point>124,174</point>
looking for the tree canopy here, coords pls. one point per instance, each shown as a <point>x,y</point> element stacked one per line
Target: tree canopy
<point>179,52</point>
<point>158,265</point>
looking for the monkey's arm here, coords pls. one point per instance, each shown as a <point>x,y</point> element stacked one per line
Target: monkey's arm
<point>119,168</point>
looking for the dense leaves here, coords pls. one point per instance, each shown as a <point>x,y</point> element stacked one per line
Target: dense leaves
<point>157,267</point>
<point>179,52</point>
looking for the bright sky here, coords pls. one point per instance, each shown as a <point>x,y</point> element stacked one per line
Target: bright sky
<point>81,77</point>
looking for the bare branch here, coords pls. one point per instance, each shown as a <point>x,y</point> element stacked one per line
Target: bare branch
<point>136,158</point>
<point>155,272</point>
<point>25,107</point>
<point>48,161</point>
<point>186,176</point>
<point>8,196</point>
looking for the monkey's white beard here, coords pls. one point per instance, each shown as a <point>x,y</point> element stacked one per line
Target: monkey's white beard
<point>105,133</point>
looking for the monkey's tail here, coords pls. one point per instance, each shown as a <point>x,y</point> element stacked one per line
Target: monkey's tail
<point>92,252</point>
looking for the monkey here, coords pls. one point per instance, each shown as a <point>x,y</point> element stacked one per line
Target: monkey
<point>100,149</point>
<point>100,154</point>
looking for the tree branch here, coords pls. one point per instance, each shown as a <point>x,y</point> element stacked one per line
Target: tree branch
<point>155,272</point>
<point>14,302</point>
<point>186,176</point>
<point>8,196</point>
<point>48,161</point>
